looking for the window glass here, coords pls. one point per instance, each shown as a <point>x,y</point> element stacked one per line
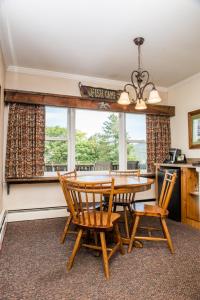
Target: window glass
<point>55,139</point>
<point>97,140</point>
<point>136,140</point>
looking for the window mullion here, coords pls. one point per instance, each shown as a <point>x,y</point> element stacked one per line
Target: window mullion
<point>122,142</point>
<point>71,139</point>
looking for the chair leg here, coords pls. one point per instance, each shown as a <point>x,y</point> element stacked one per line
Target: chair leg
<point>105,254</point>
<point>114,207</point>
<point>98,252</point>
<point>75,249</point>
<point>126,222</point>
<point>95,238</point>
<point>64,234</point>
<point>119,240</point>
<point>167,235</point>
<point>134,230</point>
<point>130,209</point>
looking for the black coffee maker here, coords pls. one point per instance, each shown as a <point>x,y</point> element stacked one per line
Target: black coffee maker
<point>174,153</point>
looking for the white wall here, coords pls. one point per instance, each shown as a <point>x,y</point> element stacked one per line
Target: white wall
<point>58,83</point>
<point>2,73</point>
<point>48,195</point>
<point>186,97</point>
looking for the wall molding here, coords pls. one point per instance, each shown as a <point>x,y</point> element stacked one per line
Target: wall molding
<point>70,76</point>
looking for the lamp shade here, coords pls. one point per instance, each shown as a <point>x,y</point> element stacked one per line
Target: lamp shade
<point>124,99</point>
<point>140,104</point>
<point>154,97</point>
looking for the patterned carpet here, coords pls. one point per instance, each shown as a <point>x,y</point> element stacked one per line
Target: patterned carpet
<point>33,266</point>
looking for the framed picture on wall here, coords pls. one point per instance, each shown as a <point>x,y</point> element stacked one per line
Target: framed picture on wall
<point>194,129</point>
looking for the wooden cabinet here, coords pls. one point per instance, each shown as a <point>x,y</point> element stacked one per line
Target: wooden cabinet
<point>190,197</point>
<point>190,193</point>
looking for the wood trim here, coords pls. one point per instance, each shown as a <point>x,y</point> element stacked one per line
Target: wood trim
<point>190,114</point>
<point>183,194</point>
<point>33,179</point>
<point>18,96</point>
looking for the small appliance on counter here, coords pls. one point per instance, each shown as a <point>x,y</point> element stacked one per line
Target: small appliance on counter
<point>175,156</point>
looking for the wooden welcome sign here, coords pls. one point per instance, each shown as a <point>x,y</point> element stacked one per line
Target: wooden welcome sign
<point>99,93</point>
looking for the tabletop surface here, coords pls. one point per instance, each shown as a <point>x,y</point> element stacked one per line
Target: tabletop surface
<point>120,180</point>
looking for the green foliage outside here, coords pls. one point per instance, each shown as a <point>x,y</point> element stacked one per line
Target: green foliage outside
<point>56,151</point>
<point>98,147</point>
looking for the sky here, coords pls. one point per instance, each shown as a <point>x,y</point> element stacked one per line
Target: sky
<point>91,121</point>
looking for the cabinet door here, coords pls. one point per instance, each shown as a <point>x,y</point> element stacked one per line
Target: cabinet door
<point>193,199</point>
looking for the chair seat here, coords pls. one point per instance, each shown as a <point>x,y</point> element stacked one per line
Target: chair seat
<point>89,220</point>
<point>149,210</point>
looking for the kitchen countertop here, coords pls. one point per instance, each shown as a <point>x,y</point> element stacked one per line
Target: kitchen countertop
<point>184,165</point>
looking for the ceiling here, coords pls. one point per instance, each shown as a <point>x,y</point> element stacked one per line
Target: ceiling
<point>94,38</point>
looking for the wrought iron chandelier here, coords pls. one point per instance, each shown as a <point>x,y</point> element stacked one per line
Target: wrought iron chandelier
<point>139,83</point>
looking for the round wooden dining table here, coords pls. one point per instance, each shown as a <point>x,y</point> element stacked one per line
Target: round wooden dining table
<point>135,183</point>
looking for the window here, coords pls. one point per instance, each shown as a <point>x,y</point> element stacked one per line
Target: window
<point>91,140</point>
<point>56,141</point>
<point>136,140</point>
<point>97,140</point>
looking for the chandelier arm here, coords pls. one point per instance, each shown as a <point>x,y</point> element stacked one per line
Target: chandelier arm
<point>137,73</point>
<point>135,90</point>
<point>144,77</point>
<point>147,84</point>
<point>143,74</point>
<point>136,87</point>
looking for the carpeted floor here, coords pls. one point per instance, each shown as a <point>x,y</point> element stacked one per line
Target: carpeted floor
<point>33,266</point>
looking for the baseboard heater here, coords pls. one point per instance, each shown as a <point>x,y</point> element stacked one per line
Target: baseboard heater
<point>14,211</point>
<point>42,212</point>
<point>36,213</point>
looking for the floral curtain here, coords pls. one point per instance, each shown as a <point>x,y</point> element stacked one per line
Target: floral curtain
<point>25,141</point>
<point>158,140</point>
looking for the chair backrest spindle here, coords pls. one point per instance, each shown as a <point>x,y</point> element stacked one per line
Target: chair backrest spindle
<point>70,174</point>
<point>125,195</point>
<point>167,188</point>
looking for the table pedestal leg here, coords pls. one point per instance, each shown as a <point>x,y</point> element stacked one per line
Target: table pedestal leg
<point>136,244</point>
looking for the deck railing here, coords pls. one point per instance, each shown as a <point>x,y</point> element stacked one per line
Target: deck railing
<point>79,167</point>
<point>91,167</point>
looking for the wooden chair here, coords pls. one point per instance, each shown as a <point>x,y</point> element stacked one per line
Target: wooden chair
<point>124,198</point>
<point>69,218</point>
<point>86,218</point>
<point>133,164</point>
<point>102,165</point>
<point>158,211</point>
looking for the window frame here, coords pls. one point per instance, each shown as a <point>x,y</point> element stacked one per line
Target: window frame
<point>71,126</point>
<point>57,139</point>
<point>136,141</point>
